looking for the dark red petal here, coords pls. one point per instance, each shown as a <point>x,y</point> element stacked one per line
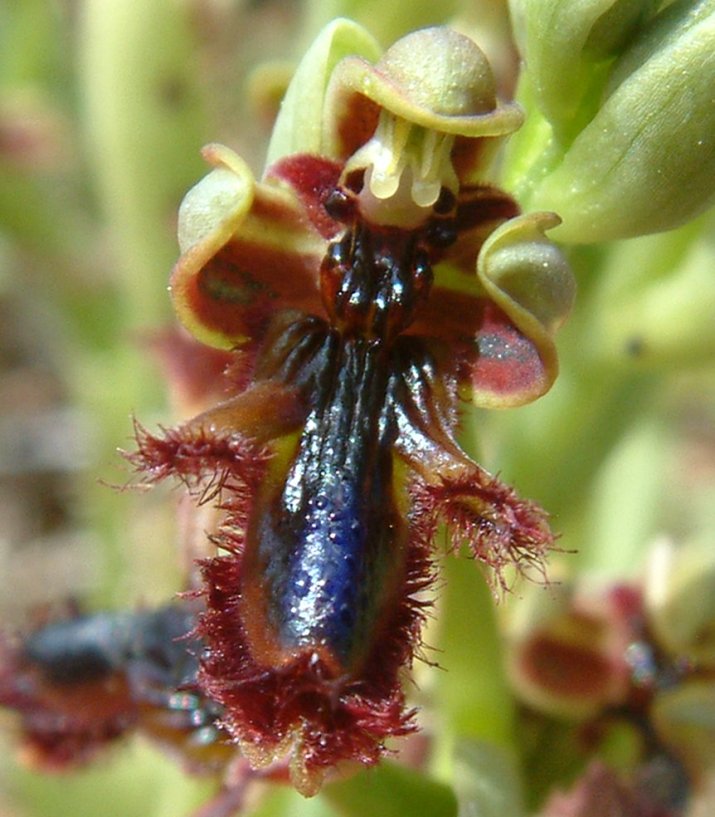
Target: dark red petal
<point>501,366</point>
<point>497,365</point>
<point>234,294</point>
<point>312,179</point>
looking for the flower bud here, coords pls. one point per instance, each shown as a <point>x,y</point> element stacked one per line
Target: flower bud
<point>645,162</point>
<point>562,42</point>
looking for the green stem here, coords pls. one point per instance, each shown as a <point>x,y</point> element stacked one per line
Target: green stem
<point>474,700</point>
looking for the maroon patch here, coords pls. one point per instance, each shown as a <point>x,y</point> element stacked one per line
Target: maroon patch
<point>313,179</point>
<point>505,362</point>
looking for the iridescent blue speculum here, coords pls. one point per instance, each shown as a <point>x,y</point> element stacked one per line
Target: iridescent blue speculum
<point>370,280</point>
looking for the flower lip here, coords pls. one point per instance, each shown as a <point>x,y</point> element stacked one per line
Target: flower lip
<point>435,78</point>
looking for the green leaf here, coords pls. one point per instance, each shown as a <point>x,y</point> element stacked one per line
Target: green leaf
<point>563,42</point>
<point>487,781</point>
<point>391,790</point>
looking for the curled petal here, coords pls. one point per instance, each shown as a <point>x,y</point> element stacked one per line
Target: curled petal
<point>298,128</point>
<point>213,208</point>
<point>502,319</point>
<point>530,282</point>
<point>527,275</point>
<point>248,249</point>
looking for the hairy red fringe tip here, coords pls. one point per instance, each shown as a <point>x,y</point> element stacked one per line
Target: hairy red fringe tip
<point>197,454</point>
<point>303,709</point>
<point>500,529</point>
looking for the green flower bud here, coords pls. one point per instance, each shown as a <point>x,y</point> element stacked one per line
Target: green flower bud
<point>563,42</point>
<point>645,161</point>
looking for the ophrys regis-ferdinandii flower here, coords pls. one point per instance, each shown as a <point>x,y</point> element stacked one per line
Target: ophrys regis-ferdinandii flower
<point>365,287</point>
<point>370,280</point>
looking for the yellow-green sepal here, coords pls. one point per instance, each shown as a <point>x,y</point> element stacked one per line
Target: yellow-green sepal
<point>299,126</point>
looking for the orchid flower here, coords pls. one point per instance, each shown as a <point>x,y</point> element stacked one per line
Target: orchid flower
<point>388,269</point>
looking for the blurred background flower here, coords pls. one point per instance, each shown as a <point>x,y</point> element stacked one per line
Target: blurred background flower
<point>104,107</point>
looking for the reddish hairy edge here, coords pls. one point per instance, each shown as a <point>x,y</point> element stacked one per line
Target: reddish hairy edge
<point>301,709</point>
<point>499,528</point>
